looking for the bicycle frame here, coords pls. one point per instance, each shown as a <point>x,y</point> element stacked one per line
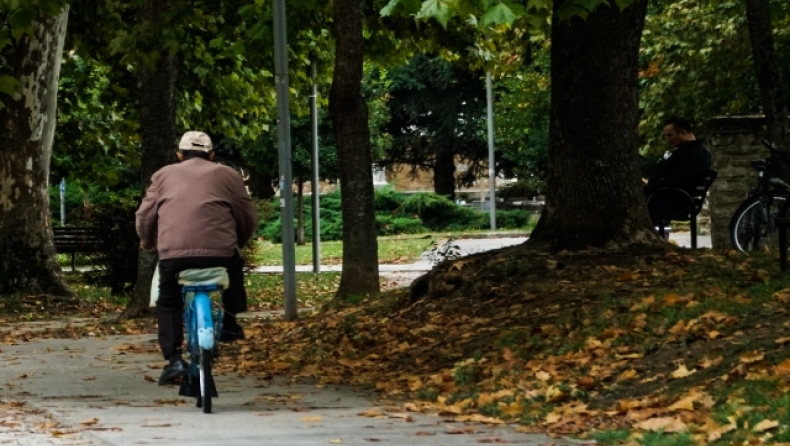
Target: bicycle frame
<point>202,323</point>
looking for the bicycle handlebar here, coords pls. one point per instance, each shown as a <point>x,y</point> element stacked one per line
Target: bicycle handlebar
<point>776,150</point>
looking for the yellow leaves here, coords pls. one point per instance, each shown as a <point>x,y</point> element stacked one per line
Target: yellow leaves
<point>783,368</point>
<point>782,295</point>
<point>751,357</point>
<point>682,372</point>
<point>765,425</point>
<point>627,375</point>
<point>666,424</point>
<point>313,419</point>
<point>89,422</point>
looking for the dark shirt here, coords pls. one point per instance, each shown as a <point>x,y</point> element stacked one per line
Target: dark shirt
<point>683,169</point>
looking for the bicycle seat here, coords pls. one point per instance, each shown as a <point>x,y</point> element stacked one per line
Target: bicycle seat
<point>204,277</point>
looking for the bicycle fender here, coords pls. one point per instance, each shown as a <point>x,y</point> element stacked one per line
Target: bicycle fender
<point>205,325</point>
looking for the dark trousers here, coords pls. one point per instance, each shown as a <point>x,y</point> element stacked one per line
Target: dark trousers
<point>170,306</point>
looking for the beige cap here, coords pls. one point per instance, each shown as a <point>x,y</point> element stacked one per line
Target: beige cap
<point>195,141</point>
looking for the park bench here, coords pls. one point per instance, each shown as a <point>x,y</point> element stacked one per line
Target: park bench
<point>692,204</point>
<point>77,239</point>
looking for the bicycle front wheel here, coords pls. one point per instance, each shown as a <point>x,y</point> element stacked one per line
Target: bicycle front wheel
<point>206,381</point>
<point>752,227</point>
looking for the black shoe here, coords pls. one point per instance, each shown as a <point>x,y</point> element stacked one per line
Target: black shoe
<point>231,335</point>
<point>171,372</point>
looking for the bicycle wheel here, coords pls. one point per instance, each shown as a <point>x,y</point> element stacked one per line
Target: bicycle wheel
<point>206,381</point>
<point>752,227</point>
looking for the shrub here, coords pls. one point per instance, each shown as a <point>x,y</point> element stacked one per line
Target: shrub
<point>387,199</point>
<point>116,267</point>
<point>390,225</point>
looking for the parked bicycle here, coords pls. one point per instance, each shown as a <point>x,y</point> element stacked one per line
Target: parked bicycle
<point>203,325</point>
<point>752,227</point>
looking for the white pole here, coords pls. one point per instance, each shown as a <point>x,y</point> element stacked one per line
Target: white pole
<point>284,143</point>
<point>62,202</point>
<point>315,186</point>
<point>491,161</point>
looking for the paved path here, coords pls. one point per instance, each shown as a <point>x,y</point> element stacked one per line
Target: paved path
<point>470,246</point>
<point>100,392</point>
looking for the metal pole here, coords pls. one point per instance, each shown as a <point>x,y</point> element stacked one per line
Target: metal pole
<point>284,143</point>
<point>491,161</point>
<point>63,202</point>
<point>314,184</point>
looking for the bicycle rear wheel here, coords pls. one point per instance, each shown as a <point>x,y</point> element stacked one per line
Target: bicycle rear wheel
<point>206,380</point>
<point>752,227</point>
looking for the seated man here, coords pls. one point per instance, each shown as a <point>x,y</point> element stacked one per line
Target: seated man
<point>682,169</point>
<point>195,214</point>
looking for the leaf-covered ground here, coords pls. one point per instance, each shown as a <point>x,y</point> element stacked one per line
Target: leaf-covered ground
<point>680,347</point>
<point>654,348</point>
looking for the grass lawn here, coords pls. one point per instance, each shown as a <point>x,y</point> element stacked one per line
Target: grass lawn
<point>395,249</point>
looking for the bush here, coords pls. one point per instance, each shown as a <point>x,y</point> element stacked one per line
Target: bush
<point>390,225</point>
<point>387,199</point>
<point>398,213</point>
<point>117,265</point>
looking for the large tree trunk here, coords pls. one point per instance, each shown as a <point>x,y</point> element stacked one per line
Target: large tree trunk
<point>767,70</point>
<point>444,173</point>
<point>349,114</point>
<point>28,264</point>
<point>158,136</point>
<point>594,196</point>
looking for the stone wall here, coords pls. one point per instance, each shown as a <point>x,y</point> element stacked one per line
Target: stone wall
<point>734,142</point>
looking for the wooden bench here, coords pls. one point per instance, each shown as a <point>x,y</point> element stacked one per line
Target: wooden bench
<point>692,204</point>
<point>74,239</point>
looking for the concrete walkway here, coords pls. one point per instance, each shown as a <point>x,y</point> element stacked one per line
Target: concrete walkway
<point>101,391</point>
<point>470,246</point>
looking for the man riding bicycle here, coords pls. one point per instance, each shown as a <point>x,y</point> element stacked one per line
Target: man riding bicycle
<point>195,214</point>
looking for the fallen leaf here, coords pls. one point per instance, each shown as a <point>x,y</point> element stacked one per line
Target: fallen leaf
<point>313,419</point>
<point>765,425</point>
<point>89,422</point>
<point>748,358</point>
<point>335,441</point>
<point>682,372</point>
<point>461,430</point>
<point>667,424</point>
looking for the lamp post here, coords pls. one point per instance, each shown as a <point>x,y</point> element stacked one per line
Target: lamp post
<point>491,161</point>
<point>284,145</point>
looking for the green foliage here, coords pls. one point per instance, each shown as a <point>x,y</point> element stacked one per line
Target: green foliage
<point>522,120</point>
<point>391,225</point>
<point>96,138</point>
<point>387,199</point>
<point>399,213</point>
<point>696,61</point>
<point>437,111</point>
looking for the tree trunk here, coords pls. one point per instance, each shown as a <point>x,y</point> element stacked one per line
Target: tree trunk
<point>158,136</point>
<point>28,263</point>
<point>444,173</point>
<point>767,70</point>
<point>260,184</point>
<point>594,196</point>
<point>349,115</point>
<point>300,212</point>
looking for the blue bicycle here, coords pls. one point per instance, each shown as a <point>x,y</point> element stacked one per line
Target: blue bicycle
<point>203,325</point>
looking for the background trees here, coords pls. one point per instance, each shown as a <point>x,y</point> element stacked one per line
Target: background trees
<point>437,116</point>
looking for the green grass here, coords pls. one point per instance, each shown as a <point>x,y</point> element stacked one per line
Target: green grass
<point>395,249</point>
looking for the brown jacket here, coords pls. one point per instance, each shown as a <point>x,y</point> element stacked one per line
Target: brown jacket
<point>196,208</point>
